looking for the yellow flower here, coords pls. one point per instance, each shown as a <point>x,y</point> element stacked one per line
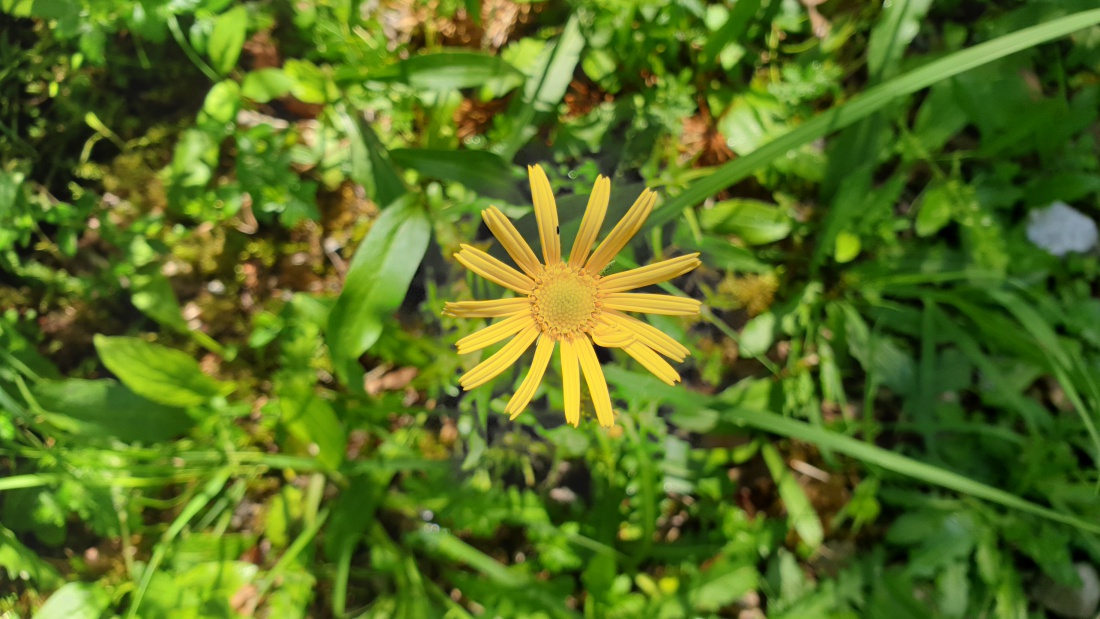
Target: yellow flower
<point>568,302</point>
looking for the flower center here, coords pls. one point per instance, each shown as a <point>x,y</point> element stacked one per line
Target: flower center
<point>565,301</point>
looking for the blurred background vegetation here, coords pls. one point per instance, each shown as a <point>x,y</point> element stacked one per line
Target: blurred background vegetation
<point>226,388</point>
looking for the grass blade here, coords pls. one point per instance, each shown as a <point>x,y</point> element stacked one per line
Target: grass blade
<point>869,102</point>
<point>877,456</point>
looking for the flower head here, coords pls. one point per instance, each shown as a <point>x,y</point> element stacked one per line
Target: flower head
<point>568,304</point>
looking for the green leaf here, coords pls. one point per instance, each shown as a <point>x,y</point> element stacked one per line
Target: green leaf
<point>897,26</point>
<point>554,70</point>
<point>453,70</point>
<point>877,456</point>
<point>353,511</point>
<point>936,209</point>
<point>379,277</point>
<point>938,119</point>
<point>547,81</point>
<point>443,544</point>
<point>869,102</point>
<point>847,247</point>
<point>106,409</point>
<point>227,39</point>
<point>945,539</point>
<point>719,252</point>
<point>18,560</point>
<point>754,222</point>
<point>481,171</point>
<point>308,83</point>
<point>158,373</point>
<point>800,512</point>
<point>313,423</point>
<point>152,293</point>
<point>223,101</point>
<point>879,355</point>
<point>758,335</point>
<point>722,584</point>
<point>264,85</point>
<point>195,155</point>
<point>370,163</point>
<point>731,31</point>
<point>76,600</point>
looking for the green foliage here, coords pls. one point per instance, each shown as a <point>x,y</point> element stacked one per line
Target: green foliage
<point>227,389</point>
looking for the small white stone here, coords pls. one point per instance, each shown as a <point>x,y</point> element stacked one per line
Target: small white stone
<point>1060,229</point>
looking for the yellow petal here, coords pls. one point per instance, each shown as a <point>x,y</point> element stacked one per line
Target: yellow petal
<point>653,362</point>
<point>610,336</point>
<point>494,270</point>
<point>492,367</point>
<point>530,384</point>
<point>570,382</point>
<point>494,333</point>
<point>649,275</point>
<point>597,385</point>
<point>546,214</point>
<point>623,231</point>
<point>492,308</point>
<point>667,305</point>
<point>511,240</point>
<point>591,222</point>
<point>647,334</point>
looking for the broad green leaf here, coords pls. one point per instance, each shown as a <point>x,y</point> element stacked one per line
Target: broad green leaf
<point>550,78</point>
<point>223,101</point>
<point>263,85</point>
<point>754,222</point>
<point>204,590</point>
<point>938,119</point>
<point>800,512</point>
<point>758,335</point>
<point>370,162</point>
<point>194,158</point>
<point>152,293</point>
<point>379,277</point>
<point>307,82</point>
<point>953,589</point>
<point>547,81</point>
<point>158,373</point>
<point>869,102</point>
<point>224,47</point>
<point>482,171</point>
<point>106,409</point>
<point>76,600</point>
<point>937,207</point>
<point>313,423</point>
<point>847,247</point>
<point>897,26</point>
<point>599,64</point>
<point>453,70</point>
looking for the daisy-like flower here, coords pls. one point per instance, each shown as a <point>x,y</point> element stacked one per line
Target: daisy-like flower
<point>569,303</point>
